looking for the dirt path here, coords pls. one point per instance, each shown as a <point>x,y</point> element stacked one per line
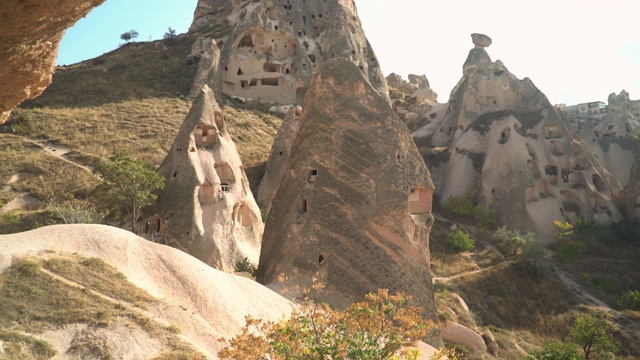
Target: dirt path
<point>58,151</point>
<point>471,272</point>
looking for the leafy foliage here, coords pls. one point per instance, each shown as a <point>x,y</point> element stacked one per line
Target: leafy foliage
<point>512,240</point>
<point>556,351</point>
<point>594,334</point>
<point>568,246</point>
<point>533,259</point>
<point>461,241</point>
<point>75,211</point>
<point>245,266</point>
<point>127,184</point>
<point>466,207</point>
<point>630,300</point>
<point>129,35</point>
<point>170,34</point>
<point>380,327</point>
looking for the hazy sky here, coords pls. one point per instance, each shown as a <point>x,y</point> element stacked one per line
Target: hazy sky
<point>573,50</point>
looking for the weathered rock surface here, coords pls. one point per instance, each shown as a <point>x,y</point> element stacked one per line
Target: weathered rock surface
<point>619,121</point>
<point>412,100</point>
<point>278,159</point>
<point>480,40</point>
<point>207,208</point>
<point>205,52</point>
<point>462,335</point>
<point>271,49</point>
<point>30,32</point>
<point>204,303</point>
<point>354,206</point>
<point>510,147</point>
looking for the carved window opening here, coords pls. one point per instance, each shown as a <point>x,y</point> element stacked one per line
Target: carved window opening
<point>313,174</point>
<point>420,200</point>
<point>224,187</point>
<point>246,41</point>
<point>270,82</point>
<point>302,205</point>
<point>322,259</point>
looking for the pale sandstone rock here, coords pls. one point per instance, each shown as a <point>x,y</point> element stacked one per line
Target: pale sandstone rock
<point>354,206</point>
<point>30,33</point>
<point>509,145</point>
<point>423,95</point>
<point>459,301</point>
<point>462,335</point>
<point>271,49</point>
<point>207,55</point>
<point>411,116</point>
<point>204,303</point>
<point>207,208</point>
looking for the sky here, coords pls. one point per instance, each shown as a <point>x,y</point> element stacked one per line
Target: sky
<point>573,50</point>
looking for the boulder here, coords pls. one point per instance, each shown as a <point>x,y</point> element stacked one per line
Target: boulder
<point>426,95</point>
<point>30,33</point>
<point>411,116</point>
<point>461,335</point>
<point>353,208</point>
<point>480,40</point>
<point>420,80</point>
<point>206,208</point>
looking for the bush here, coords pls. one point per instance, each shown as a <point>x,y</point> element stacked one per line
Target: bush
<point>556,351</point>
<point>466,208</point>
<point>460,241</point>
<point>245,266</point>
<point>513,241</point>
<point>594,334</point>
<point>533,259</point>
<point>569,249</point>
<point>377,328</point>
<point>630,300</point>
<point>20,123</point>
<point>76,212</point>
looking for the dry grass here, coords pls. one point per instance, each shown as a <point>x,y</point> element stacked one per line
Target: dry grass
<point>32,301</point>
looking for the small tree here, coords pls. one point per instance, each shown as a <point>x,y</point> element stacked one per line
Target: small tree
<point>460,241</point>
<point>593,333</point>
<point>630,300</point>
<point>128,184</point>
<point>170,34</point>
<point>129,35</point>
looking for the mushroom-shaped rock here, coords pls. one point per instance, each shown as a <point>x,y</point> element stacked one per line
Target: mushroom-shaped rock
<point>481,40</point>
<point>462,335</point>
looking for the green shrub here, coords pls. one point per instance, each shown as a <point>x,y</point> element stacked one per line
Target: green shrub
<point>533,260</point>
<point>245,266</point>
<point>556,351</point>
<point>630,300</point>
<point>466,207</point>
<point>460,241</point>
<point>569,249</point>
<point>76,212</point>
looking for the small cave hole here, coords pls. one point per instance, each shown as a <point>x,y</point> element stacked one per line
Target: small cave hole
<point>175,174</point>
<point>276,27</point>
<point>240,71</point>
<point>313,174</point>
<point>302,205</point>
<point>322,259</point>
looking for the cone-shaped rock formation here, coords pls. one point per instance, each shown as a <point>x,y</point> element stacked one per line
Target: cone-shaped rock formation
<point>510,147</point>
<point>207,208</point>
<point>270,49</point>
<point>354,206</point>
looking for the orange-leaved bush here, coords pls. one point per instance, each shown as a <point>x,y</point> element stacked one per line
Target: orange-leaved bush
<point>383,326</point>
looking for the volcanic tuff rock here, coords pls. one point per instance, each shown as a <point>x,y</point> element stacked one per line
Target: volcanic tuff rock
<point>510,147</point>
<point>278,159</point>
<point>204,303</point>
<point>619,121</point>
<point>207,208</point>
<point>270,49</point>
<point>30,32</point>
<point>354,206</point>
<point>412,99</point>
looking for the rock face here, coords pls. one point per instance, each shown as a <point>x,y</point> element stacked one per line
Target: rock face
<point>461,335</point>
<point>510,147</point>
<point>412,100</point>
<point>204,303</point>
<point>270,49</point>
<point>30,32</point>
<point>207,208</point>
<point>278,159</point>
<point>619,121</point>
<point>354,206</point>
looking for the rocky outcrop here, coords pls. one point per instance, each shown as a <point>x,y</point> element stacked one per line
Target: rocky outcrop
<point>204,303</point>
<point>481,40</point>
<point>271,49</point>
<point>278,159</point>
<point>30,32</point>
<point>619,121</point>
<point>207,208</point>
<point>354,206</point>
<point>205,52</point>
<point>412,100</point>
<point>510,147</point>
